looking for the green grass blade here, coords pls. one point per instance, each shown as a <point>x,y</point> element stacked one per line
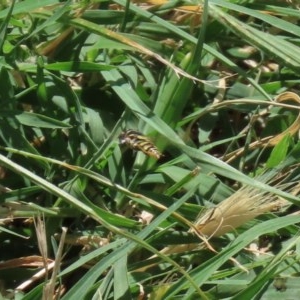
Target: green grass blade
<point>203,272</point>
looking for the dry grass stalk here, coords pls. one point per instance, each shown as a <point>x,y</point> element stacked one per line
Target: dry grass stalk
<point>49,288</point>
<point>41,235</point>
<point>244,205</point>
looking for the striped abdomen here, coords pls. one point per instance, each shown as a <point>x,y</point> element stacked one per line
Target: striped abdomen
<point>137,141</point>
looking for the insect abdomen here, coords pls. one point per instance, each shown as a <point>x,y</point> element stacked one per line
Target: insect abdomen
<point>137,141</point>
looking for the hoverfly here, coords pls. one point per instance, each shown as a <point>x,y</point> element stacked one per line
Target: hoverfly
<point>137,141</point>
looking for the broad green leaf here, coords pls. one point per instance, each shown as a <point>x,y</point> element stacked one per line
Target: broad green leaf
<point>80,66</point>
<point>279,152</point>
<point>27,6</point>
<point>41,121</point>
<point>121,286</point>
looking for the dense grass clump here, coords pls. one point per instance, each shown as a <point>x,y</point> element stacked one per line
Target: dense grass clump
<point>199,200</point>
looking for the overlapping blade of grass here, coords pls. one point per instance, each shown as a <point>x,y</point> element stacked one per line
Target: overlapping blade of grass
<point>90,277</point>
<point>161,120</point>
<point>280,10</point>
<point>4,25</point>
<point>92,28</point>
<point>274,46</point>
<point>3,229</point>
<point>50,21</point>
<point>174,93</point>
<point>206,269</point>
<point>93,212</point>
<point>121,286</point>
<point>189,37</point>
<point>27,6</point>
<point>209,162</point>
<point>51,188</point>
<point>80,66</point>
<point>205,182</point>
<point>268,272</point>
<point>38,120</point>
<point>106,216</point>
<point>79,263</point>
<point>103,31</point>
<point>269,19</point>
